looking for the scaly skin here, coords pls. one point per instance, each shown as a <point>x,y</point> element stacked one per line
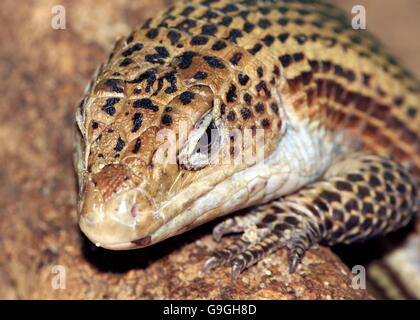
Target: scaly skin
<point>324,95</point>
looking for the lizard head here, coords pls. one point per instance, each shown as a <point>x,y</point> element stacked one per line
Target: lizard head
<point>163,146</point>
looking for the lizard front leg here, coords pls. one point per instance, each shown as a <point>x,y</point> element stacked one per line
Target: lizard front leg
<point>360,196</point>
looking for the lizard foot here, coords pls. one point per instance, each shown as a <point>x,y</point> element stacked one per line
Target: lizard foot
<point>264,231</point>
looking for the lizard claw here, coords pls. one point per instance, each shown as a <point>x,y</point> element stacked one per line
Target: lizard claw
<point>237,268</point>
<point>210,264</point>
<point>294,262</point>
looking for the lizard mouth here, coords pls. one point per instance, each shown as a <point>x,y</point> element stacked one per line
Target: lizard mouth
<point>125,245</point>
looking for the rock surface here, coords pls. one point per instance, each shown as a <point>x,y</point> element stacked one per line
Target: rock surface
<point>44,72</point>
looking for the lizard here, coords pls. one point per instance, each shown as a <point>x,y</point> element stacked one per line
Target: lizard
<point>166,125</point>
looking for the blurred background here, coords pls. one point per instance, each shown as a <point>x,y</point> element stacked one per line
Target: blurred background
<point>44,72</point>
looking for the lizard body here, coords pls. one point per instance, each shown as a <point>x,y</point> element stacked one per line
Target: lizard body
<point>336,117</point>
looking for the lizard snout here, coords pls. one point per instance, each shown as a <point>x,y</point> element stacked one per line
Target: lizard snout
<point>114,213</point>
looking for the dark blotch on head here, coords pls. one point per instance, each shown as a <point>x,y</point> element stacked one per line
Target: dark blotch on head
<point>247,98</point>
<point>149,75</point>
<point>246,113</point>
<point>264,23</point>
<point>243,79</point>
<point>186,25</point>
<point>200,75</point>
<point>231,94</point>
<point>248,27</point>
<point>171,89</point>
<point>301,38</point>
<point>314,65</point>
<point>145,103</point>
<point>137,121</point>
<point>219,45</point>
<point>209,29</point>
<point>226,21</point>
<point>283,37</point>
<point>265,123</point>
<point>186,97</point>
<point>113,84</point>
<point>285,60</point>
<point>186,59</point>
<point>120,144</point>
<point>298,56</point>
<point>254,50</point>
<point>174,36</point>
<point>283,22</point>
<point>199,40</point>
<point>137,145</point>
<point>268,40</point>
<point>259,107</point>
<point>260,71</point>
<point>126,62</point>
<point>109,105</point>
<point>214,62</point>
<point>187,11</point>
<point>233,35</point>
<point>154,58</point>
<point>229,8</point>
<point>231,116</point>
<point>236,58</point>
<point>210,14</point>
<point>166,119</point>
<point>262,86</point>
<point>152,33</point>
<point>275,107</point>
<point>162,52</point>
<point>129,51</point>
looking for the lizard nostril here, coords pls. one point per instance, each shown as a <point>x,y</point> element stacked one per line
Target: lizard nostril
<point>113,179</point>
<point>133,211</point>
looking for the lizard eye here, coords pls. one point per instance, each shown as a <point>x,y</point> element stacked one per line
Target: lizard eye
<point>207,140</point>
<point>204,140</point>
